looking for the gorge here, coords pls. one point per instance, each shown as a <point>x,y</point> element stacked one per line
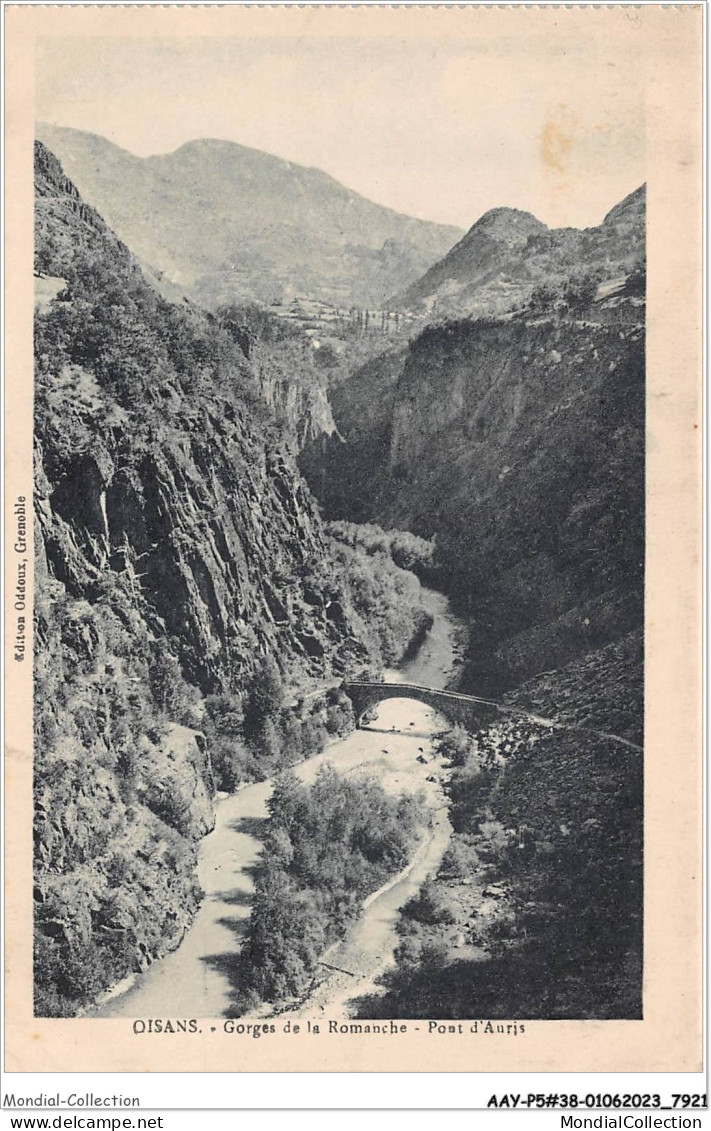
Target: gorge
<point>237,519</point>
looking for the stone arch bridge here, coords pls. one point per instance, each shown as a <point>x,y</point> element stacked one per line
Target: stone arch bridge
<point>467,710</point>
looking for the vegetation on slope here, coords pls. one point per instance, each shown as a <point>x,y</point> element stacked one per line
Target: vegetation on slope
<point>536,910</point>
<point>122,793</point>
<point>408,551</point>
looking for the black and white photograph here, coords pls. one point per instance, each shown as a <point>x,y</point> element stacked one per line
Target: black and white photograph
<point>339,512</point>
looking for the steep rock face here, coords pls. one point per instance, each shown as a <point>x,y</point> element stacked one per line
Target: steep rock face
<point>519,443</point>
<point>190,497</point>
<point>224,581</point>
<point>344,470</point>
<point>283,359</point>
<point>508,253</point>
<point>121,795</point>
<point>304,408</point>
<point>225,222</point>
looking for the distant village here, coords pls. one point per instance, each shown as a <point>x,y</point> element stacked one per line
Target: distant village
<point>321,321</point>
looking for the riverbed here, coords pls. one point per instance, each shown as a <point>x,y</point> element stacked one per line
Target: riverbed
<point>195,980</point>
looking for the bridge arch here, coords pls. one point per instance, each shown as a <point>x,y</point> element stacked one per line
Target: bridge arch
<point>467,710</point>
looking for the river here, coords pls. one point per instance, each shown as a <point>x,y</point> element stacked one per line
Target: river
<point>396,747</point>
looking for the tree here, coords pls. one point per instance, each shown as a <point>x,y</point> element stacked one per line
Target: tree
<point>264,698</point>
<point>166,679</point>
<point>287,801</point>
<point>267,740</point>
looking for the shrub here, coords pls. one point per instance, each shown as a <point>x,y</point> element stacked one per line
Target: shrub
<point>457,745</point>
<point>339,719</point>
<point>67,977</point>
<point>461,859</point>
<point>429,906</point>
<point>168,803</point>
<point>233,763</point>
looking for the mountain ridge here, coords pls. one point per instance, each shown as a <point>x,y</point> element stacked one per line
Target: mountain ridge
<point>226,221</point>
<point>499,261</point>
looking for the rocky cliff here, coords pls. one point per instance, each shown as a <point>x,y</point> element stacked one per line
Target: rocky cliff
<point>225,222</point>
<point>179,556</point>
<point>285,363</point>
<point>519,443</point>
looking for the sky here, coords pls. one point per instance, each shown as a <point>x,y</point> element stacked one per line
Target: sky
<point>440,129</point>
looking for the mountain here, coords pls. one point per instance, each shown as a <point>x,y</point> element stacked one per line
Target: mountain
<point>507,254</point>
<point>224,222</point>
<point>517,441</point>
<point>186,595</point>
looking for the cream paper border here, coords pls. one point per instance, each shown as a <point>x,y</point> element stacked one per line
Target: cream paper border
<point>669,1037</point>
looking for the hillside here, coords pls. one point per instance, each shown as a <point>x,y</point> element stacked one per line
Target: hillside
<point>226,223</point>
<point>536,909</point>
<point>186,592</point>
<point>507,254</point>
